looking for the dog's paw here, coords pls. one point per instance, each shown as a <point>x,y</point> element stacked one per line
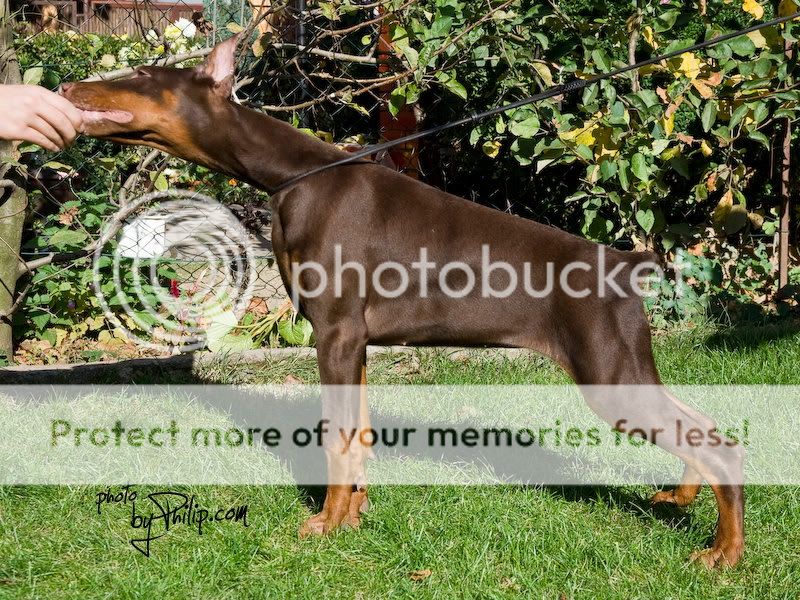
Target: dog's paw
<point>675,497</point>
<point>313,526</point>
<point>328,521</point>
<point>722,556</point>
<point>359,504</point>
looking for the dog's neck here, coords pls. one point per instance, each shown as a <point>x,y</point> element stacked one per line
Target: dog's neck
<point>260,149</point>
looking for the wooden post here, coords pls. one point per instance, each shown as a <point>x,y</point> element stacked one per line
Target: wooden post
<point>13,200</point>
<point>405,157</point>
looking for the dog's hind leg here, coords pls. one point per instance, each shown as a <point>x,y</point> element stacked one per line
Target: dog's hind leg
<point>623,387</point>
<point>685,493</point>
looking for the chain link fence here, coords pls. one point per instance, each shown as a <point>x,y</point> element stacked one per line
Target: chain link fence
<point>338,70</point>
<point>330,74</point>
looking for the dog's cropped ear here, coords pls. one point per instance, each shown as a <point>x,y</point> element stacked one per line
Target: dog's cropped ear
<point>220,66</point>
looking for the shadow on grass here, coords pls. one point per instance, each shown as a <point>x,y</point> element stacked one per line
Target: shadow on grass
<point>511,465</point>
<point>626,500</point>
<point>751,334</point>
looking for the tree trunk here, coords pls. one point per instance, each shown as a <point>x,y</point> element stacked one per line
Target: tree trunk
<point>13,200</point>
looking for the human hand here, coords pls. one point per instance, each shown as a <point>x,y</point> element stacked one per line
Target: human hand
<point>33,114</point>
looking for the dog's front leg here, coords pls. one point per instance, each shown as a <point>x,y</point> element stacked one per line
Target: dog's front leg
<point>342,363</point>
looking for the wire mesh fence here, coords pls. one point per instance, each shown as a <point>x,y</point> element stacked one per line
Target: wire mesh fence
<point>339,70</point>
<point>320,73</point>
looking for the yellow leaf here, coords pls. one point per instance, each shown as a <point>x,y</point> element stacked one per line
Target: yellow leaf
<point>586,137</point>
<point>786,8</point>
<point>705,148</point>
<point>670,153</point>
<point>756,219</point>
<point>258,48</point>
<point>668,124</point>
<point>691,65</point>
<point>594,136</point>
<point>758,39</point>
<point>61,335</point>
<point>687,64</point>
<point>605,146</point>
<point>723,209</point>
<point>754,8</point>
<point>649,37</point>
<point>492,148</point>
<point>544,72</point>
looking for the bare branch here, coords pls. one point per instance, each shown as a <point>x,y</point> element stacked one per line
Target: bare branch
<point>162,62</point>
<point>131,181</point>
<point>365,60</point>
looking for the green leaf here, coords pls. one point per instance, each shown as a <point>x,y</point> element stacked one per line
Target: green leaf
<point>639,167</point>
<point>739,114</point>
<point>584,152</point>
<point>451,83</point>
<point>601,59</point>
<point>412,56</point>
<point>523,150</point>
<point>646,219</point>
<point>760,112</point>
<point>41,321</point>
<point>666,20</point>
<point>233,343</point>
<point>397,100</point>
<point>742,46</point>
<point>329,11</point>
<point>681,165</point>
<point>296,334</point>
<point>58,166</point>
<point>159,181</point>
<point>527,128</point>
<point>65,238</point>
<point>760,138</point>
<point>622,175</point>
<point>33,76</point>
<point>709,116</point>
<point>441,27</point>
<point>608,168</point>
<point>220,326</point>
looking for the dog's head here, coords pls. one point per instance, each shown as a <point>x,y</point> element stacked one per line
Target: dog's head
<point>162,107</point>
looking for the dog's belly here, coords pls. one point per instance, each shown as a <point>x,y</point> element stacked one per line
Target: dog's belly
<point>442,321</point>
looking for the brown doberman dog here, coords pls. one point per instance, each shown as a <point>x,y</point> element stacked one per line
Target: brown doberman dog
<point>375,216</point>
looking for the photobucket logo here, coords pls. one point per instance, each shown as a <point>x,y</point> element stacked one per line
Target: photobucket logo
<point>607,274</point>
<point>170,267</point>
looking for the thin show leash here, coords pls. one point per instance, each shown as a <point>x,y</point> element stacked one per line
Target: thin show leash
<point>558,90</point>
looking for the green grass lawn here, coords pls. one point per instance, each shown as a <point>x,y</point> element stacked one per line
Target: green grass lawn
<point>473,542</point>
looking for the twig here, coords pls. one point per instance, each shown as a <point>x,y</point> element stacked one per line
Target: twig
<point>202,52</point>
<point>633,41</point>
<point>362,24</point>
<point>130,182</point>
<point>365,60</point>
<point>386,80</point>
<point>162,62</point>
